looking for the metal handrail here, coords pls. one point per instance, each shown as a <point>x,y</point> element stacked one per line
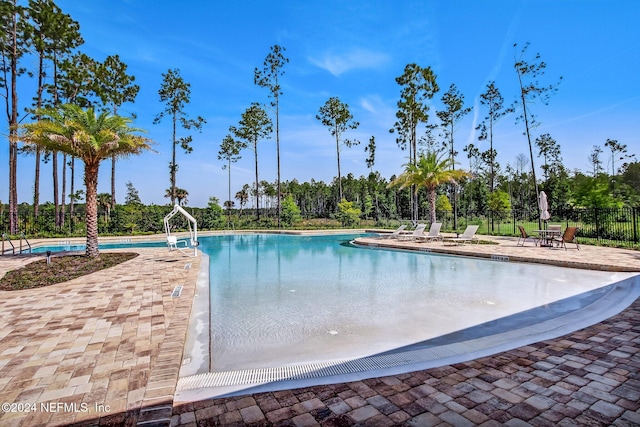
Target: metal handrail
<point>22,236</point>
<point>6,238</point>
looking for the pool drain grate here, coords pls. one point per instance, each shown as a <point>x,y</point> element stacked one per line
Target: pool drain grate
<point>177,291</point>
<point>307,371</point>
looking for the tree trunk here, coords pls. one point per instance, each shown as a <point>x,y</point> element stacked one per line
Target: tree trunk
<point>113,181</point>
<point>413,159</point>
<point>491,154</point>
<point>454,187</point>
<point>526,124</point>
<point>255,151</point>
<point>173,163</point>
<point>229,199</point>
<point>432,204</point>
<point>56,199</point>
<point>64,189</point>
<point>91,184</point>
<point>13,131</point>
<point>278,151</point>
<point>339,177</point>
<point>72,169</point>
<point>13,191</point>
<point>36,185</point>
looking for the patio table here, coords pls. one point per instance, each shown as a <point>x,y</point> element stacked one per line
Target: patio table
<point>546,236</point>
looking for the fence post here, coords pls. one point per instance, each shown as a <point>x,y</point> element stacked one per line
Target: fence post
<point>595,213</point>
<point>634,215</point>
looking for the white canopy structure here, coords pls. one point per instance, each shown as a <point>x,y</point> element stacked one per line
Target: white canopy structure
<point>172,241</point>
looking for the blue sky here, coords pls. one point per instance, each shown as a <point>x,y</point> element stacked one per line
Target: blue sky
<point>354,50</point>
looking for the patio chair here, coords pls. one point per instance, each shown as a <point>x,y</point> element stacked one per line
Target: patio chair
<point>524,236</point>
<point>569,236</point>
<point>469,235</point>
<point>393,235</point>
<point>432,235</point>
<point>173,243</point>
<point>419,231</point>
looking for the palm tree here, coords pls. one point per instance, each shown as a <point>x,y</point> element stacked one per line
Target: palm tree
<point>104,201</point>
<point>430,171</point>
<point>181,195</point>
<point>243,196</point>
<point>91,138</point>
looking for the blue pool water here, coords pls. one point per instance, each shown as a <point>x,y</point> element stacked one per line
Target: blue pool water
<point>280,299</point>
<point>62,247</point>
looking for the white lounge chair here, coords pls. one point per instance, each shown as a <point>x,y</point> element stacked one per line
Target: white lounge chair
<point>433,234</point>
<point>418,232</point>
<point>469,235</point>
<point>393,235</point>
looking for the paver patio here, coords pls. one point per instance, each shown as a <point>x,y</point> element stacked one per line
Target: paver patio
<point>108,344</point>
<point>107,348</point>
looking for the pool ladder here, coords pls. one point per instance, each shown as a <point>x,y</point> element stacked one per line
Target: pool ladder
<point>6,238</point>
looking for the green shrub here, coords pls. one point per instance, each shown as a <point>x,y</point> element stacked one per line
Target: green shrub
<point>348,215</point>
<point>499,204</point>
<point>290,212</point>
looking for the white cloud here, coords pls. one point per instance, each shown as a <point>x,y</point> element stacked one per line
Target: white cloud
<point>338,64</point>
<point>367,105</point>
<point>381,109</point>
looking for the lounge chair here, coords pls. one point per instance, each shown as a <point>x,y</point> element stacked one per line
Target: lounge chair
<point>569,236</point>
<point>524,236</point>
<point>419,231</point>
<point>393,235</point>
<point>433,234</point>
<point>469,235</point>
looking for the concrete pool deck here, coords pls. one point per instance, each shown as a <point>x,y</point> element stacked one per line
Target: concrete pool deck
<point>114,341</point>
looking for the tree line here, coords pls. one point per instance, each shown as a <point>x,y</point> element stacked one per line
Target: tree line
<point>433,155</point>
<point>67,76</point>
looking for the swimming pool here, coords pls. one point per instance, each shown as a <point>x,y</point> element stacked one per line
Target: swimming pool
<point>66,246</point>
<point>279,300</point>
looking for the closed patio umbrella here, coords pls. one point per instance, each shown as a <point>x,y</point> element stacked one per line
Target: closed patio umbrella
<point>544,206</point>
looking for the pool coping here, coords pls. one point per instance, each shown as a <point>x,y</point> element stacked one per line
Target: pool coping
<point>498,253</point>
<point>161,238</point>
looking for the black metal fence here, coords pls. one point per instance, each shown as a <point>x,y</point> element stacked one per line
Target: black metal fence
<point>615,227</point>
<point>603,226</point>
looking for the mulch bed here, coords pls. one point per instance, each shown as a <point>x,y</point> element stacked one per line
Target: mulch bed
<point>62,268</point>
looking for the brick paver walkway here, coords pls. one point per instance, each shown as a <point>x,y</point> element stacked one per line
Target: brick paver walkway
<point>115,340</point>
<point>109,344</point>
